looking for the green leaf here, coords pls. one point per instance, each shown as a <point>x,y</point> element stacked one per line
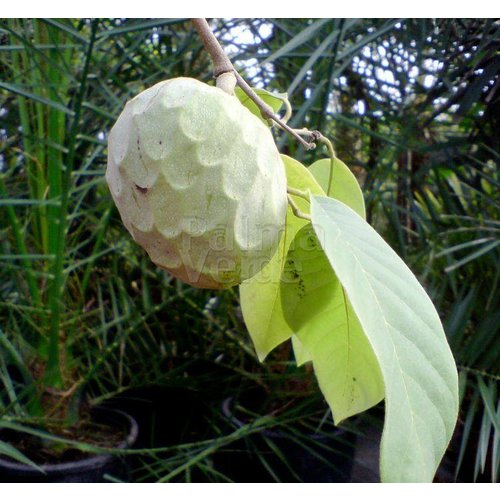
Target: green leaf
<point>302,355</point>
<point>302,37</point>
<point>364,41</point>
<point>404,329</point>
<point>468,420</point>
<point>474,255</point>
<point>495,453</point>
<point>315,306</point>
<point>260,296</point>
<point>17,89</point>
<point>275,100</point>
<point>139,26</point>
<point>345,186</point>
<point>9,451</point>
<point>317,309</point>
<point>488,395</point>
<point>323,47</point>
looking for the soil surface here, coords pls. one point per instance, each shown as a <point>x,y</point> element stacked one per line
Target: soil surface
<point>45,451</point>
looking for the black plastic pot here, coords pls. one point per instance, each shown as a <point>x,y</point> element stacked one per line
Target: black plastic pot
<point>88,470</point>
<point>310,457</point>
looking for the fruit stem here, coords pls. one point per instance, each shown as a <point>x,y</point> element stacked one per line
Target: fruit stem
<point>222,64</point>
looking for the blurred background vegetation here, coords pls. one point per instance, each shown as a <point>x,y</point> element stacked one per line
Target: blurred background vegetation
<point>412,106</point>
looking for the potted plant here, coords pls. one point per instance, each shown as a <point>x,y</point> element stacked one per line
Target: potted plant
<point>51,239</point>
<point>349,305</point>
<point>300,441</point>
<point>201,186</point>
<point>470,316</point>
<point>84,321</point>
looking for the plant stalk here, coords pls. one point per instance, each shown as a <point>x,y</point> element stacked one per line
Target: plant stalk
<point>53,375</point>
<point>222,65</point>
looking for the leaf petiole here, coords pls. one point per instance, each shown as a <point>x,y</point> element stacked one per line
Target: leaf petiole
<point>297,192</point>
<point>296,210</point>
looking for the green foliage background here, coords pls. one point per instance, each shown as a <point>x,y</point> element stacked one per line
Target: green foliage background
<point>412,106</point>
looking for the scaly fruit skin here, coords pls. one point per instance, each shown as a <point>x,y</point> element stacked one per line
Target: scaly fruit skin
<point>198,182</point>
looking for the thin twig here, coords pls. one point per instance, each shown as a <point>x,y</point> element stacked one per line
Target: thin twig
<point>223,65</point>
<point>267,112</point>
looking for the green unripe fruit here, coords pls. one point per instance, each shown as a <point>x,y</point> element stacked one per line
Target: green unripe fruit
<point>198,182</point>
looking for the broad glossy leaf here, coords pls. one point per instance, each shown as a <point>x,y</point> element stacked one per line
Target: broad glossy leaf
<point>404,329</point>
<point>317,309</point>
<point>345,186</point>
<point>274,100</point>
<point>260,296</point>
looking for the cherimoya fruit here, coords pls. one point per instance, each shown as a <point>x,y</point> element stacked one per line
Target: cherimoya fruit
<point>198,182</point>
